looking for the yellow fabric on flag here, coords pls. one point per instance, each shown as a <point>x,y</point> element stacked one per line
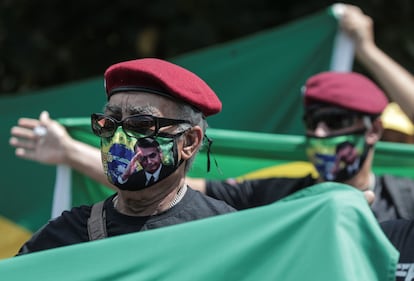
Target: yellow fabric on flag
<point>12,237</point>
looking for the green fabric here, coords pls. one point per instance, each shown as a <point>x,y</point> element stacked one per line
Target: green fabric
<point>259,78</point>
<point>326,232</point>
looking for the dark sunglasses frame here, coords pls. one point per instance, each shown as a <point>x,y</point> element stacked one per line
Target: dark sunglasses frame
<point>153,125</point>
<point>334,120</point>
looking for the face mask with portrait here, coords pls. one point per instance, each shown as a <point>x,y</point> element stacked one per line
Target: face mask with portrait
<point>135,164</point>
<point>337,158</point>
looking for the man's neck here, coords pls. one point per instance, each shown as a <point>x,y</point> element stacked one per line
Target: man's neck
<point>362,182</point>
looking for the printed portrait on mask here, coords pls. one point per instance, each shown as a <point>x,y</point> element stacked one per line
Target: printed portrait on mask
<point>134,164</point>
<point>337,158</point>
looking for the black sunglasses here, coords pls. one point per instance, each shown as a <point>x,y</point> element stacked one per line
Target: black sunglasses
<point>138,126</point>
<point>335,120</point>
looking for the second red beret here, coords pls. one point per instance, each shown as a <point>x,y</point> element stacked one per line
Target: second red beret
<point>349,90</point>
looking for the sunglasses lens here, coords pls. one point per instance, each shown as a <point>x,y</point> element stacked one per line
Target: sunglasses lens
<point>103,126</point>
<point>333,121</point>
<point>139,126</point>
<point>340,121</point>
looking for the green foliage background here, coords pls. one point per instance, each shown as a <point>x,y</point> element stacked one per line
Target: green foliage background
<point>49,42</point>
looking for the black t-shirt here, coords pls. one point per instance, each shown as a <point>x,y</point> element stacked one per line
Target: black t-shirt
<point>401,234</point>
<point>394,196</point>
<point>71,226</point>
<point>253,193</point>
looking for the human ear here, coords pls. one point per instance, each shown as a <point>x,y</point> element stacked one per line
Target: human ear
<point>191,142</point>
<point>375,132</point>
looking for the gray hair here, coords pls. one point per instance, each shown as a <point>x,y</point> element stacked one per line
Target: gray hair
<point>196,118</point>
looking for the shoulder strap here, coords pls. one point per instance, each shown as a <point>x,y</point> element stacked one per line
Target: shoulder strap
<point>97,222</point>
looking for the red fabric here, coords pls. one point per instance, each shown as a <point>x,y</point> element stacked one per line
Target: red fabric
<point>349,90</point>
<point>165,77</point>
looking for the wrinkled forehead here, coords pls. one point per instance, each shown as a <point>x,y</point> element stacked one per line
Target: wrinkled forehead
<point>130,103</point>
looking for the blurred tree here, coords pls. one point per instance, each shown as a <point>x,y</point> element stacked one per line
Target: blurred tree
<point>44,43</point>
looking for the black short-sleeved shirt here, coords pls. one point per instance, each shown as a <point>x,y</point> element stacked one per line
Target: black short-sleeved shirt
<point>71,226</point>
<point>254,193</point>
<point>401,234</point>
<point>394,196</point>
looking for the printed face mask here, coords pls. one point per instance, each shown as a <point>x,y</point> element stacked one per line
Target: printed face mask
<point>337,158</point>
<point>135,164</point>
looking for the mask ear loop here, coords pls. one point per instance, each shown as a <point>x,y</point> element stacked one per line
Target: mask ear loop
<point>368,125</point>
<point>367,122</point>
<point>209,143</point>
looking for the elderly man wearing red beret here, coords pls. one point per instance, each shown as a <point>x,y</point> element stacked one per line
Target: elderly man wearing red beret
<point>154,100</point>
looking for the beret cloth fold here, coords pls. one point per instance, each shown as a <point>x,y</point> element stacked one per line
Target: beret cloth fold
<point>349,90</point>
<point>161,77</point>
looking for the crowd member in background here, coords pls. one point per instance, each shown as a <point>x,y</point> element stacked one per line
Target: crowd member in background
<point>397,119</point>
<point>145,102</point>
<point>340,108</point>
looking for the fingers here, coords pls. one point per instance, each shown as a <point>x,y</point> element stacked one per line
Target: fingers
<point>42,140</point>
<point>349,9</point>
<point>358,25</point>
<point>25,153</point>
<point>25,146</point>
<point>23,136</point>
<point>44,118</point>
<point>25,141</point>
<point>22,143</point>
<point>28,123</point>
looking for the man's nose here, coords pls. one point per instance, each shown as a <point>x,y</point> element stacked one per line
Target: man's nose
<point>321,130</point>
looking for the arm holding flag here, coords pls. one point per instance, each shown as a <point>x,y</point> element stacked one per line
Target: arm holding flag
<point>55,147</point>
<point>395,79</point>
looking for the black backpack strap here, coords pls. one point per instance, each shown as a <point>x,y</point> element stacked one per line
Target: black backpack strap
<point>97,222</point>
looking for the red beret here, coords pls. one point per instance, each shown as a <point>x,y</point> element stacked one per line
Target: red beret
<point>164,78</point>
<point>349,90</point>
